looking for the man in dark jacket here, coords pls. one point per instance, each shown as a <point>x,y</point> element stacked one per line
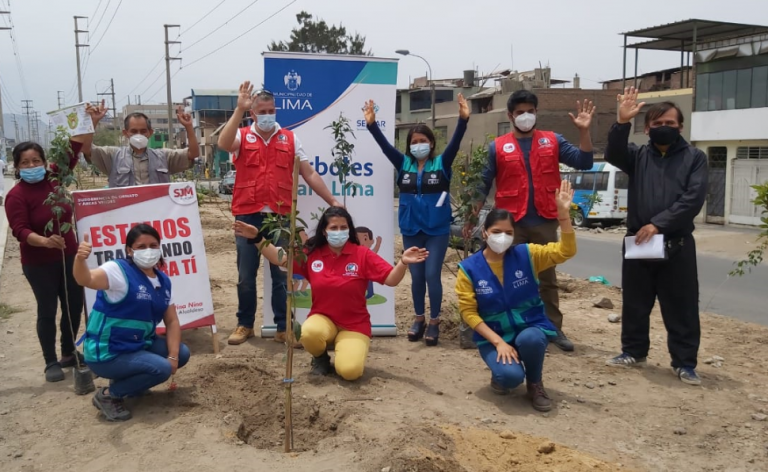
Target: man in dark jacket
<point>667,188</point>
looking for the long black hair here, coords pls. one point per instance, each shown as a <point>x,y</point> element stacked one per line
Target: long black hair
<point>319,240</point>
<point>134,234</point>
<point>20,149</point>
<point>421,129</point>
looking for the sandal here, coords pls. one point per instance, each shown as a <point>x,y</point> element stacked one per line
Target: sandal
<point>417,329</point>
<point>433,333</point>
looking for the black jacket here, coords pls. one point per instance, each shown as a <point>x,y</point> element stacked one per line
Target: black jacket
<point>668,191</point>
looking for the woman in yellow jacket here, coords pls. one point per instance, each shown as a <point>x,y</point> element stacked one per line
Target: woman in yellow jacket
<point>498,290</point>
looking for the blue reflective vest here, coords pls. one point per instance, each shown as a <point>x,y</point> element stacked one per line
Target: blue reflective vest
<point>511,308</point>
<point>127,325</point>
<point>419,196</point>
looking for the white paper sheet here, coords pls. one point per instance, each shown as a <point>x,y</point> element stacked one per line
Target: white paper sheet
<point>653,249</point>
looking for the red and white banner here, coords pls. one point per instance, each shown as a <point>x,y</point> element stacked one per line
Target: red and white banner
<point>107,215</point>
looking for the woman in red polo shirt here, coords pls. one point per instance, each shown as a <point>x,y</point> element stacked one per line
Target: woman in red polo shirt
<point>338,268</point>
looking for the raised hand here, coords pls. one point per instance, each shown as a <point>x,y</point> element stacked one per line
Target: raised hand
<point>96,112</point>
<point>628,106</point>
<point>244,230</point>
<point>185,119</point>
<point>584,113</point>
<point>245,96</point>
<point>414,255</point>
<point>564,198</point>
<point>463,108</point>
<point>370,112</point>
<point>84,250</point>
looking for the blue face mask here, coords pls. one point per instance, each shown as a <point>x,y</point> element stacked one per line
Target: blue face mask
<point>33,175</point>
<point>420,151</point>
<point>266,122</point>
<point>338,239</point>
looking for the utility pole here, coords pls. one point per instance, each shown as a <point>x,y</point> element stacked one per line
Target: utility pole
<point>111,93</point>
<point>60,98</point>
<point>168,60</point>
<point>2,125</point>
<point>27,105</point>
<point>77,50</point>
<point>36,126</point>
<point>16,129</point>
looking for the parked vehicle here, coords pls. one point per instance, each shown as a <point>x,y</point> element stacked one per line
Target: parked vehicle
<point>457,227</point>
<point>227,184</point>
<point>600,194</point>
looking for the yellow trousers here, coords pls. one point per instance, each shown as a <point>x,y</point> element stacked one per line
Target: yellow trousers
<point>351,347</point>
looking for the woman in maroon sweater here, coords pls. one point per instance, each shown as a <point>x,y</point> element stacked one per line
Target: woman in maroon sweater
<point>41,252</point>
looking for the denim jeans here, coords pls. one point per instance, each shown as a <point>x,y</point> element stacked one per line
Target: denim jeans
<point>134,373</point>
<point>531,344</point>
<point>248,260</point>
<point>427,273</point>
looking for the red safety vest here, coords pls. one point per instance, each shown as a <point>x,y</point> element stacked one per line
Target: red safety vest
<point>512,176</point>
<point>264,173</point>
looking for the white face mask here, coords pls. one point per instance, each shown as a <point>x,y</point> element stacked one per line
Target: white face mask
<point>499,242</point>
<point>147,258</point>
<point>139,141</point>
<point>525,122</point>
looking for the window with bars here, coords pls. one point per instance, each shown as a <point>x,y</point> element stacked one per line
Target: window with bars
<point>752,153</point>
<point>718,157</point>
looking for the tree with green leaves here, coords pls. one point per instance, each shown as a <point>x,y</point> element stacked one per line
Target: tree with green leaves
<point>317,36</point>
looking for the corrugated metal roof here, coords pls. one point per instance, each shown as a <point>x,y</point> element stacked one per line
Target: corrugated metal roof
<point>674,36</point>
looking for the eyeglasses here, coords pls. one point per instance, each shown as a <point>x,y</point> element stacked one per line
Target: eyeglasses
<point>263,93</point>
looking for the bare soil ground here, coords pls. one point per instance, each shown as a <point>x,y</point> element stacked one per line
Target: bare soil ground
<point>415,409</point>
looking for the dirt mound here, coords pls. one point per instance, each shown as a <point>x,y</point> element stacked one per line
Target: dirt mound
<point>250,400</point>
<point>453,449</point>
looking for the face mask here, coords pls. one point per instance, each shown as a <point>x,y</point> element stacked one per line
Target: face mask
<point>420,151</point>
<point>33,175</point>
<point>266,122</point>
<point>338,239</point>
<point>147,258</point>
<point>139,141</point>
<point>664,135</point>
<point>525,122</point>
<point>499,243</point>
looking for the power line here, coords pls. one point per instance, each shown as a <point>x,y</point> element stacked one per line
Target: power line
<point>93,15</point>
<point>240,36</point>
<point>162,86</point>
<point>202,18</point>
<point>160,61</point>
<point>98,23</point>
<point>93,49</point>
<point>17,55</point>
<point>222,25</point>
<point>162,73</point>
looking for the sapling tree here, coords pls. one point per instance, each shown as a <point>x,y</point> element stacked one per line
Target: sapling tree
<point>342,153</point>
<point>755,256</point>
<point>467,192</point>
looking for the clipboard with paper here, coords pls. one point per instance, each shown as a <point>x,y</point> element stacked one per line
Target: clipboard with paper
<point>650,250</point>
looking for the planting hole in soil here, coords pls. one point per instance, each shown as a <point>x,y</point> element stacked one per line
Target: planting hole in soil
<point>250,399</point>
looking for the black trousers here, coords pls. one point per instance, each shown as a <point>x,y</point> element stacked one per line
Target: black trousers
<point>676,284</point>
<point>47,282</point>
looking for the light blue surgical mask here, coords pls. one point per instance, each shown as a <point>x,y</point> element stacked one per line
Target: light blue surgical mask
<point>420,151</point>
<point>33,175</point>
<point>266,122</point>
<point>338,239</point>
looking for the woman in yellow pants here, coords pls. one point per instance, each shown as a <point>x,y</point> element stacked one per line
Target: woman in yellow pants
<point>339,268</point>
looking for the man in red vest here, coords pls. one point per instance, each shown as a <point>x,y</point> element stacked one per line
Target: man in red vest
<point>264,157</point>
<point>526,166</point>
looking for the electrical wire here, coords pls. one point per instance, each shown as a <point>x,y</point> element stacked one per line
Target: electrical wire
<point>93,49</point>
<point>162,86</point>
<point>17,55</point>
<point>221,25</point>
<point>201,18</point>
<point>98,23</point>
<point>241,35</point>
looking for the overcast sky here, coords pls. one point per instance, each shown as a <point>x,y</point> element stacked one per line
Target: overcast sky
<point>571,36</point>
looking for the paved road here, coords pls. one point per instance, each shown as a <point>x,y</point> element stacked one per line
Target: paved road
<point>740,297</point>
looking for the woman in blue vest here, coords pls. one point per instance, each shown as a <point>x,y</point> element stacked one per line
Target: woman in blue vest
<point>424,213</point>
<point>133,297</point>
<point>498,291</point>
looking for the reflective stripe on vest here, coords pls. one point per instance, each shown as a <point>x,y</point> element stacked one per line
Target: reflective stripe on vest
<point>264,175</point>
<point>123,170</point>
<point>512,176</point>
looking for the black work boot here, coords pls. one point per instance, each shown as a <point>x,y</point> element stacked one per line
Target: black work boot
<point>321,365</point>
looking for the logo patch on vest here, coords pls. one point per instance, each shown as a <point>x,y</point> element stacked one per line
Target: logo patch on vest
<point>521,281</point>
<point>433,180</point>
<point>317,266</point>
<point>143,293</point>
<point>282,137</point>
<point>509,148</point>
<point>251,138</point>
<point>483,288</point>
<point>545,142</point>
<point>519,274</point>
